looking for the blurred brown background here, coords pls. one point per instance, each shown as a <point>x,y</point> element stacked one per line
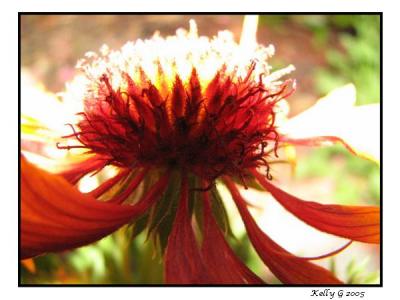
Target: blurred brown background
<point>51,45</point>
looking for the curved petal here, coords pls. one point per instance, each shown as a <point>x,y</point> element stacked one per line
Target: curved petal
<point>317,141</point>
<point>77,170</point>
<point>55,216</point>
<point>218,255</point>
<point>334,252</point>
<point>120,198</point>
<point>183,261</point>
<point>358,223</point>
<point>287,267</point>
<point>108,184</point>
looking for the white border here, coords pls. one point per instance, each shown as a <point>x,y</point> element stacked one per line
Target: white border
<point>9,150</point>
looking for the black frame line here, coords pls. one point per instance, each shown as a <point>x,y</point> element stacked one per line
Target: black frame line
<point>380,14</point>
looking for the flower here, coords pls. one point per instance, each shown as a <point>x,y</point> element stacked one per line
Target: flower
<point>174,116</point>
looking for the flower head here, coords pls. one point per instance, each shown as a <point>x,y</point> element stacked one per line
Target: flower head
<point>175,115</point>
<point>197,104</point>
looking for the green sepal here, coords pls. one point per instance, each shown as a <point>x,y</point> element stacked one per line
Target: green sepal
<point>251,182</point>
<point>198,209</point>
<point>220,213</point>
<point>120,186</point>
<point>217,207</point>
<point>139,225</point>
<point>162,215</point>
<point>194,194</point>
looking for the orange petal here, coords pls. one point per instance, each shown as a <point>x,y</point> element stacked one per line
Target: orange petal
<point>221,261</point>
<point>55,216</point>
<point>29,264</point>
<point>358,223</point>
<point>183,261</point>
<point>287,267</point>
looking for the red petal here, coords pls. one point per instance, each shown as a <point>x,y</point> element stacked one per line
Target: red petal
<point>183,261</point>
<point>329,253</point>
<point>120,198</point>
<point>287,267</point>
<point>317,141</point>
<point>108,184</point>
<point>178,98</point>
<point>76,171</point>
<point>55,216</point>
<point>221,261</point>
<point>213,93</point>
<point>153,95</point>
<point>358,223</point>
<point>195,88</point>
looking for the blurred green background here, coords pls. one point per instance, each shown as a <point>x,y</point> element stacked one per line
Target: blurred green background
<point>327,50</point>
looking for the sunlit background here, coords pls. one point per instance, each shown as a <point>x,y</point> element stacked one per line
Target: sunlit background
<point>327,51</point>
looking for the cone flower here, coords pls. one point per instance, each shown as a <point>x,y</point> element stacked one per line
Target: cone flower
<point>174,116</point>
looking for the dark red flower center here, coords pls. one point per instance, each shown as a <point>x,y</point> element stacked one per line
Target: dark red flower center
<point>223,128</point>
